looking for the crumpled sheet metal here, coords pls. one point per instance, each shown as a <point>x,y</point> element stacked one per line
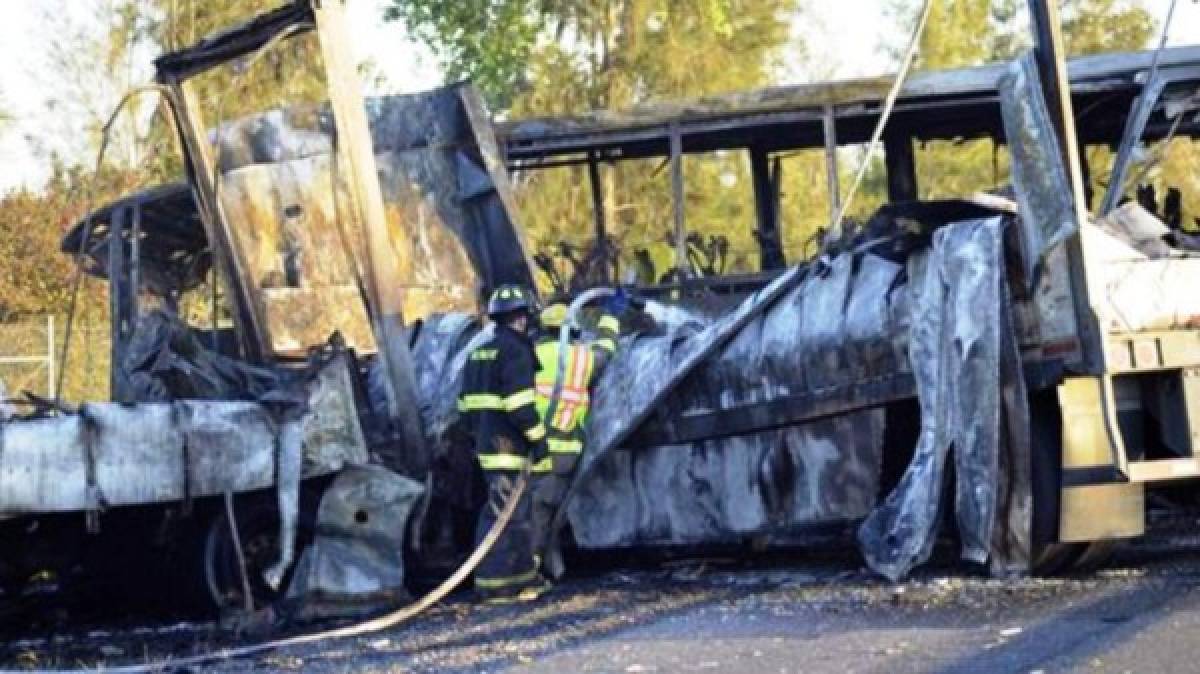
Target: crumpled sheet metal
<point>1043,191</point>
<point>810,331</point>
<point>770,482</point>
<point>966,367</point>
<point>358,551</point>
<point>1137,228</point>
<point>111,454</point>
<point>439,353</point>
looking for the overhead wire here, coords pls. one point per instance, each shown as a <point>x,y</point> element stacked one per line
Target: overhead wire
<point>835,228</point>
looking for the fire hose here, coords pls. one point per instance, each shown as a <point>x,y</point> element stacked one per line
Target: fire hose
<point>414,609</point>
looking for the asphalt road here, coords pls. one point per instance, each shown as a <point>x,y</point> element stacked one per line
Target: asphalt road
<point>814,611</point>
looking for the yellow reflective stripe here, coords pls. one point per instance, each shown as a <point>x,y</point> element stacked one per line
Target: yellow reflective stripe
<point>566,393</point>
<point>502,462</point>
<point>609,323</point>
<point>480,401</point>
<point>579,362</point>
<point>562,418</point>
<point>543,466</point>
<point>505,581</point>
<point>518,399</point>
<point>536,433</point>
<point>557,446</point>
<point>591,366</point>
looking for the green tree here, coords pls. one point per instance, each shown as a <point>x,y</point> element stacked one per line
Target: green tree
<point>1098,26</point>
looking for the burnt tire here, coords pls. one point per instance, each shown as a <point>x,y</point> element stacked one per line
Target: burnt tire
<point>258,527</point>
<point>1047,556</point>
<point>1095,555</point>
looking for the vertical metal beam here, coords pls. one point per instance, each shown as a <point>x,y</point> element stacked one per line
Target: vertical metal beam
<point>118,291</point>
<point>1135,127</point>
<point>51,349</point>
<point>1052,66</point>
<point>387,266</point>
<point>681,250</point>
<point>1085,174</point>
<point>1056,86</point>
<point>901,165</point>
<point>767,209</point>
<point>247,317</point>
<point>829,128</point>
<point>135,264</point>
<point>598,214</point>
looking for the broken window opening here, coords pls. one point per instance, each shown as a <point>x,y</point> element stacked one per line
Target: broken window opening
<point>804,202</point>
<point>949,169</point>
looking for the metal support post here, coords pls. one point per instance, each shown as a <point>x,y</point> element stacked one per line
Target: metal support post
<point>387,266</point>
<point>829,128</point>
<point>1051,59</point>
<point>766,202</point>
<point>51,393</point>
<point>681,249</point>
<point>901,165</point>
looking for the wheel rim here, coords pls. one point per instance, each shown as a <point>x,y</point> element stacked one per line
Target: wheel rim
<point>259,530</point>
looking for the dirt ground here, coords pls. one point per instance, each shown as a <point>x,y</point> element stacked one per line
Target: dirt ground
<point>812,610</point>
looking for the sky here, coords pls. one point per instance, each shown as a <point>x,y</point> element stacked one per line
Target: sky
<point>854,32</point>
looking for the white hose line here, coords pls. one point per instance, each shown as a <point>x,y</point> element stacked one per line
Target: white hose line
<point>835,228</point>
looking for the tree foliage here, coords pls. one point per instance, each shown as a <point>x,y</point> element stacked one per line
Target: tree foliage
<point>488,42</point>
<point>36,277</point>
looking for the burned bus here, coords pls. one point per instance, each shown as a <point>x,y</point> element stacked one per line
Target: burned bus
<point>991,355</point>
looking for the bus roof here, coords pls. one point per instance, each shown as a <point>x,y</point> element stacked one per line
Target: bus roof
<point>933,104</point>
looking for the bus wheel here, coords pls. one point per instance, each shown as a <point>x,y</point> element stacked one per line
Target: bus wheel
<point>258,529</point>
<point>1047,556</point>
<point>1096,554</point>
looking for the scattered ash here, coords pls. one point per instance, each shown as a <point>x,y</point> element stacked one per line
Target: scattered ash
<point>798,591</point>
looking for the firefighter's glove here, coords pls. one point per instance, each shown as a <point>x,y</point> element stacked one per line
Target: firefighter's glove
<point>617,303</point>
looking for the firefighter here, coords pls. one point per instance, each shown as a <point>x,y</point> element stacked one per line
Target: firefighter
<point>565,427</point>
<point>497,402</point>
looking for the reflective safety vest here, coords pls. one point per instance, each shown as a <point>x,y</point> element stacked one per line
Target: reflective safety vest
<point>573,398</point>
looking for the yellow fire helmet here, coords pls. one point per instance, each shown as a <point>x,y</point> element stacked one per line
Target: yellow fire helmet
<point>554,315</point>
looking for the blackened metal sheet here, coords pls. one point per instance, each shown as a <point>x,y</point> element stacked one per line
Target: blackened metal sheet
<point>765,482</point>
<point>358,551</point>
<point>438,356</point>
<point>111,454</point>
<point>964,357</point>
<point>229,44</point>
<point>1048,215</point>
